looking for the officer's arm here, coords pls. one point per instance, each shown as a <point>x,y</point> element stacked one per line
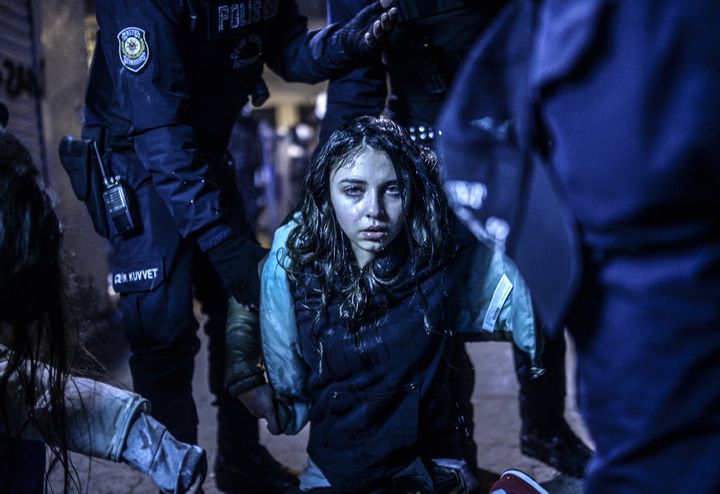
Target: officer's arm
<point>142,46</point>
<point>299,55</point>
<point>361,91</point>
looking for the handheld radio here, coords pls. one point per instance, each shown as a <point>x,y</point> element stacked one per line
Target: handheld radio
<point>116,199</point>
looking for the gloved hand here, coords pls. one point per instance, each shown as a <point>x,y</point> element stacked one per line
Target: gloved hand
<point>260,402</point>
<point>236,260</point>
<point>174,466</point>
<point>368,28</point>
<point>243,357</point>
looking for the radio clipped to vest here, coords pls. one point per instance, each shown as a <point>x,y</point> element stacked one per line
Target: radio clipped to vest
<point>116,199</point>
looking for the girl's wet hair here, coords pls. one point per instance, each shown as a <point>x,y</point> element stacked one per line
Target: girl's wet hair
<point>31,291</point>
<point>318,246</point>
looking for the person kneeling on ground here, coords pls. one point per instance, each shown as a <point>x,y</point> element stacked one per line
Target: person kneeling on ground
<point>362,294</point>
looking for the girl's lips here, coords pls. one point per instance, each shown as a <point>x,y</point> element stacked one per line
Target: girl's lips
<point>373,234</point>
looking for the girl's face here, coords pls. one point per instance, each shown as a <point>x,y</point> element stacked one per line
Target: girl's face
<point>365,195</point>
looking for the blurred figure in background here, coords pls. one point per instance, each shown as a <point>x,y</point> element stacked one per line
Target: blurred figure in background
<point>245,152</point>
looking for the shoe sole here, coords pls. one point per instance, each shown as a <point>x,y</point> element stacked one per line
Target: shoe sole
<point>526,478</point>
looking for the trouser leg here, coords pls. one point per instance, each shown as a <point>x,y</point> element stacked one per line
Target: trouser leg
<point>649,377</point>
<point>237,428</point>
<point>542,399</point>
<point>462,384</point>
<point>161,327</point>
<point>544,434</point>
<point>152,272</point>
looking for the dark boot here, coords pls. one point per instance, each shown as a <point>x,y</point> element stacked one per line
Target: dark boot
<point>257,473</point>
<point>242,465</point>
<point>545,435</point>
<point>478,480</point>
<point>558,447</point>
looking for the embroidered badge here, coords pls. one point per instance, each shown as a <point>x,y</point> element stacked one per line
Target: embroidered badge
<point>134,50</point>
<point>137,276</point>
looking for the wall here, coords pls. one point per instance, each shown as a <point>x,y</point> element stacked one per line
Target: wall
<point>63,44</point>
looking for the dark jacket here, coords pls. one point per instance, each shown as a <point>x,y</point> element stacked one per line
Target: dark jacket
<point>367,418</point>
<point>419,59</point>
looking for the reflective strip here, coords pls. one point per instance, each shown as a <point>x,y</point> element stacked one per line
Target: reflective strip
<point>502,290</point>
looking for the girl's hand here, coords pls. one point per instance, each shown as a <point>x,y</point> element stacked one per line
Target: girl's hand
<point>260,401</point>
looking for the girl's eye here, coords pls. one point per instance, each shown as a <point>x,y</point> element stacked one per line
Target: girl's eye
<point>393,190</point>
<point>353,191</point>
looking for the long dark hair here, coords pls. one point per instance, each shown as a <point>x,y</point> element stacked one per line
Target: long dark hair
<point>317,246</point>
<point>31,296</point>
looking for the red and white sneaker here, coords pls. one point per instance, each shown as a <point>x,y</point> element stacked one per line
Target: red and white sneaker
<point>516,482</point>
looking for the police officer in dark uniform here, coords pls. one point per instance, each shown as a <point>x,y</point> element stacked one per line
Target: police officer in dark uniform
<point>420,58</point>
<point>604,116</point>
<point>167,82</point>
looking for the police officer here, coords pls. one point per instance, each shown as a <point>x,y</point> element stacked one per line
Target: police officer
<point>421,58</point>
<point>605,114</point>
<point>167,82</point>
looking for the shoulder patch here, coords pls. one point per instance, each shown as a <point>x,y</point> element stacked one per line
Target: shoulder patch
<point>134,50</point>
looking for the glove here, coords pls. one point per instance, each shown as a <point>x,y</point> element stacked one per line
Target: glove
<point>236,261</point>
<point>368,28</point>
<point>175,467</point>
<point>243,359</point>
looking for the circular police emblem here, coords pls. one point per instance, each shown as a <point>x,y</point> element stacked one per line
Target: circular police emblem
<point>134,51</point>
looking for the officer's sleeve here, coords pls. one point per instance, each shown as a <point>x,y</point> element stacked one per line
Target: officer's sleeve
<point>361,91</point>
<point>143,49</point>
<point>299,55</point>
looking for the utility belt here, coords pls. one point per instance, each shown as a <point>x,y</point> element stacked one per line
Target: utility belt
<point>110,142</point>
<point>108,200</point>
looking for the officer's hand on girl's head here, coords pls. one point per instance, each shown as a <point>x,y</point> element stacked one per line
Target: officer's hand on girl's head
<point>382,26</point>
<point>368,28</point>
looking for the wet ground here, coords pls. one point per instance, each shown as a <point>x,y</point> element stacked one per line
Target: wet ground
<point>496,416</point>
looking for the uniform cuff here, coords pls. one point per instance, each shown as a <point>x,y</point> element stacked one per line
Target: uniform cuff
<point>214,236</point>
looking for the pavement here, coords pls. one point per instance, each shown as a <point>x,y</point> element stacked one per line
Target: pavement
<point>496,434</point>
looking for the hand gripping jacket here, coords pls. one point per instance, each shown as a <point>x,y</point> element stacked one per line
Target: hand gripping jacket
<point>496,305</point>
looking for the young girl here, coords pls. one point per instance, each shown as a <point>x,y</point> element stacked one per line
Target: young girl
<point>39,399</point>
<point>361,296</point>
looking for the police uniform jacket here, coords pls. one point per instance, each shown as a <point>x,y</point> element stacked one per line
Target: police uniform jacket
<point>169,78</point>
